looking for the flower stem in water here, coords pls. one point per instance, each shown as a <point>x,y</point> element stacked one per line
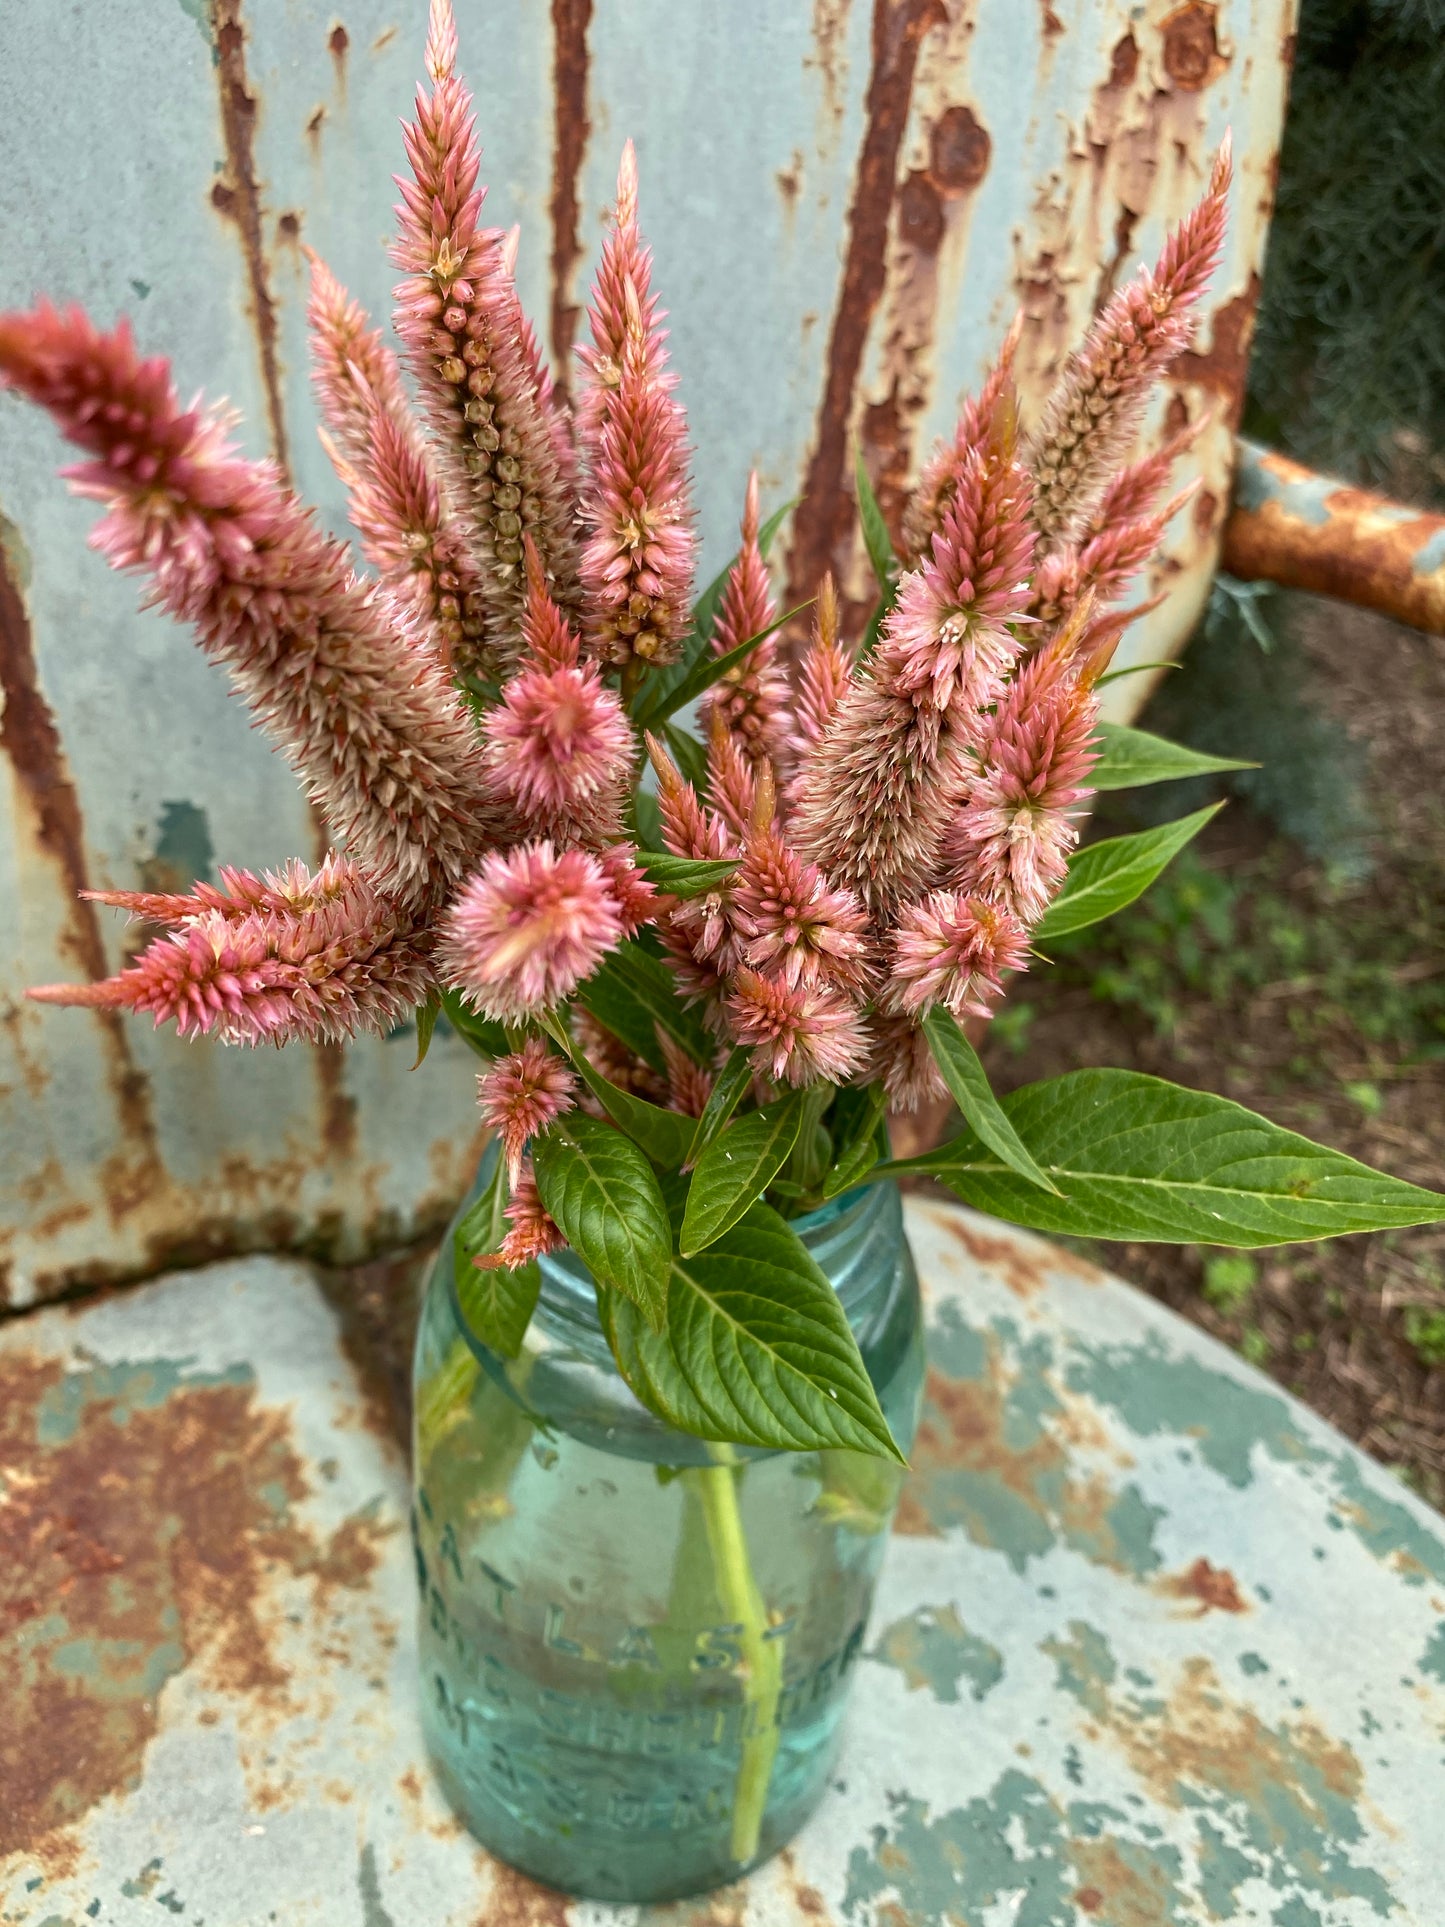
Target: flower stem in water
<point>762,1657</point>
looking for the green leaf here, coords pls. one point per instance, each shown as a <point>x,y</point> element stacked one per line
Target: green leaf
<point>481,1034</point>
<point>857,1159</point>
<point>647,819</point>
<point>755,1350</point>
<point>666,1136</point>
<point>1141,1159</point>
<point>968,1084</point>
<point>683,876</point>
<point>736,1168</point>
<point>658,702</point>
<point>496,1304</point>
<point>876,539</point>
<point>1132,757</point>
<point>601,1192</point>
<point>729,1088</point>
<point>631,993</point>
<point>426,1023</point>
<point>1132,669</point>
<point>689,755</point>
<point>1104,877</point>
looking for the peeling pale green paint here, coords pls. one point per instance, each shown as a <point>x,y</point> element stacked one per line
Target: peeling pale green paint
<point>119,1668</point>
<point>1084,1666</point>
<point>1386,1528</point>
<point>137,1385</point>
<point>1003,1469</point>
<point>1251,1665</point>
<point>1015,1850</point>
<point>373,1913</point>
<point>1294,1913</point>
<point>200,12</point>
<point>183,848</point>
<point>1222,1871</point>
<point>932,1648</point>
<point>1432,1660</point>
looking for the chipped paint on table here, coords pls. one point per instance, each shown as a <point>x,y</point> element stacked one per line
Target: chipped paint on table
<point>880,183</point>
<point>1154,1646</point>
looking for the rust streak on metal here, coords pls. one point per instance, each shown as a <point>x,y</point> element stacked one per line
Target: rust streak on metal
<point>239,199</point>
<point>182,1487</point>
<point>825,515</point>
<point>31,740</point>
<point>571,128</point>
<point>1224,366</point>
<point>1192,56</point>
<point>1209,1588</point>
<point>1335,540</point>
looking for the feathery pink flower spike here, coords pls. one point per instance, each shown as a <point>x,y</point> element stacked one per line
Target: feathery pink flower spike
<point>749,699</point>
<point>521,1094</point>
<point>638,560</point>
<point>954,950</point>
<point>374,732</point>
<point>462,326</point>
<point>1097,404</point>
<point>798,1033</point>
<point>533,1233</point>
<point>527,929</point>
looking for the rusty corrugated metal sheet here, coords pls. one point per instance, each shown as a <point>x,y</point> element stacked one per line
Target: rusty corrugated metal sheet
<point>848,198</point>
<point>1154,1646</point>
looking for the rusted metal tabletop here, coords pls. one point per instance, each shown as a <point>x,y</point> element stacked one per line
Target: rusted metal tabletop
<point>1154,1644</point>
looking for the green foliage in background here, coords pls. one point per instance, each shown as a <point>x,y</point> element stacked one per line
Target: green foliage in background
<point>1350,350</point>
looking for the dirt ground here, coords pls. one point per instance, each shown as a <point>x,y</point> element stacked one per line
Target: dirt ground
<point>1255,971</point>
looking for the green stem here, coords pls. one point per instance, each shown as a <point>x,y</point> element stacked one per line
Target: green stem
<point>762,1658</point>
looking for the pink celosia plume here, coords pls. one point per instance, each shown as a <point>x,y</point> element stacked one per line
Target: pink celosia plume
<point>1095,409</point>
<point>638,559</point>
<point>352,368</point>
<point>521,1094</point>
<point>953,950</point>
<point>797,1033</point>
<point>793,922</point>
<point>344,960</point>
<point>374,732</point>
<point>527,929</point>
<point>532,1234</point>
<point>462,326</point>
<point>748,700</point>
<point>822,681</point>
<point>938,483</point>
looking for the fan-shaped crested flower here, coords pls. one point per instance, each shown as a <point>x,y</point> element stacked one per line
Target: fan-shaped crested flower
<point>527,929</point>
<point>953,950</point>
<point>1096,406</point>
<point>373,730</point>
<point>1012,838</point>
<point>342,963</point>
<point>795,925</point>
<point>938,484</point>
<point>533,1234</point>
<point>797,1033</point>
<point>462,326</point>
<point>637,507</point>
<point>521,1094</point>
<point>749,699</point>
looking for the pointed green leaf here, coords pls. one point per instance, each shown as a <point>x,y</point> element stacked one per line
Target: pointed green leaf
<point>968,1084</point>
<point>736,1168</point>
<point>1132,757</point>
<point>683,876</point>
<point>1132,669</point>
<point>658,702</point>
<point>665,1136</point>
<point>631,993</point>
<point>426,1023</point>
<point>1138,1158</point>
<point>496,1304</point>
<point>601,1192</point>
<point>755,1349</point>
<point>729,1088</point>
<point>876,539</point>
<point>689,755</point>
<point>481,1034</point>
<point>858,1158</point>
<point>1104,877</point>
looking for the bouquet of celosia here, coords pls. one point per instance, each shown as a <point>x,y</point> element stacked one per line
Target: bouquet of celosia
<point>699,1001</point>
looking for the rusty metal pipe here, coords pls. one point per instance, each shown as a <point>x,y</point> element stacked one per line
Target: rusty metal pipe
<point>1307,531</point>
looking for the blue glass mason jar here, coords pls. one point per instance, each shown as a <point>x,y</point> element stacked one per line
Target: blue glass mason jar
<point>635,1646</point>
